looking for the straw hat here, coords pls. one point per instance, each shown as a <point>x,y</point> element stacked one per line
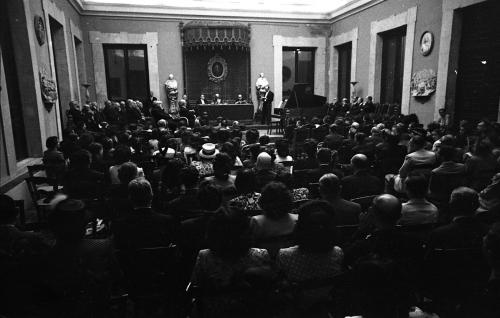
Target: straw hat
<point>208,151</point>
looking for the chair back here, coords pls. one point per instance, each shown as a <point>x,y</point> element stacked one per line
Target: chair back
<point>365,201</point>
<point>420,232</point>
<point>149,271</point>
<point>345,233</point>
<point>453,274</point>
<point>274,243</point>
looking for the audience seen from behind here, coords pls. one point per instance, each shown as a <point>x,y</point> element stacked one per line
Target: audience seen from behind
<point>242,208</point>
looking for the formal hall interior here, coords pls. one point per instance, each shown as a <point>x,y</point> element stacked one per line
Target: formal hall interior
<point>250,158</point>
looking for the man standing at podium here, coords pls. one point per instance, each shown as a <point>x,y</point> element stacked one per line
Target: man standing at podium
<point>267,101</point>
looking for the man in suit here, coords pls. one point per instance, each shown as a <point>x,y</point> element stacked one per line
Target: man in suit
<point>464,231</point>
<point>346,212</point>
<point>361,183</point>
<point>157,112</point>
<point>143,227</point>
<point>201,100</point>
<point>385,241</point>
<point>267,101</point>
<point>333,140</point>
<point>217,100</point>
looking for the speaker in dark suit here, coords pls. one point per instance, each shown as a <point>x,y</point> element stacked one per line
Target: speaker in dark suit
<point>267,101</point>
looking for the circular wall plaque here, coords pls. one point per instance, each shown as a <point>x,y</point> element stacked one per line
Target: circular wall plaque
<point>217,69</point>
<point>40,29</point>
<point>426,43</point>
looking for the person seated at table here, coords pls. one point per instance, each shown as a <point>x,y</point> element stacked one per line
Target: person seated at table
<point>217,100</point>
<point>201,100</point>
<point>240,100</point>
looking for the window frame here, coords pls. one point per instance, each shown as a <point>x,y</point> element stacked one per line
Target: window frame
<point>296,49</point>
<point>126,47</point>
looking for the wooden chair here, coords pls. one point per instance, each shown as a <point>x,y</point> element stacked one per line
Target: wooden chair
<point>277,125</point>
<point>38,188</point>
<point>151,277</point>
<point>452,274</point>
<point>365,201</point>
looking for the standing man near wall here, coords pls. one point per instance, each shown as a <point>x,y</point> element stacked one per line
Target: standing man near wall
<point>267,101</point>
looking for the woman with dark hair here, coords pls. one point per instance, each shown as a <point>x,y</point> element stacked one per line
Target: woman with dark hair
<point>315,256</point>
<point>247,198</point>
<point>121,155</point>
<point>222,171</point>
<point>276,201</point>
<point>228,263</point>
<point>170,177</point>
<point>283,153</point>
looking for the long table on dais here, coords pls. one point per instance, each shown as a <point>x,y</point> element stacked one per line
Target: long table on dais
<point>228,111</point>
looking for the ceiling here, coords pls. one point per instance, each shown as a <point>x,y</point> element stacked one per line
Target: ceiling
<point>250,9</point>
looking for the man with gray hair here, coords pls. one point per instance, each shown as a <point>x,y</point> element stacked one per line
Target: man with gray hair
<point>361,182</point>
<point>142,227</point>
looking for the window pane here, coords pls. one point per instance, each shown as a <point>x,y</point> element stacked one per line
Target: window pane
<point>288,72</point>
<point>117,84</point>
<point>305,72</point>
<point>137,76</point>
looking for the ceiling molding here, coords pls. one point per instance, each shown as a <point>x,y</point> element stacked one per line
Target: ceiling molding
<point>78,5</point>
<point>172,13</point>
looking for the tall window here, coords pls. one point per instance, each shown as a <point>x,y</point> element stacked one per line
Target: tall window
<point>15,106</point>
<point>126,71</point>
<point>344,81</point>
<point>393,55</point>
<point>298,67</point>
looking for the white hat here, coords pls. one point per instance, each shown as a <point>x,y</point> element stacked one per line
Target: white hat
<point>208,151</point>
<point>170,153</point>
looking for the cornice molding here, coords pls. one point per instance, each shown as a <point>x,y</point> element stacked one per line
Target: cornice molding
<point>169,13</point>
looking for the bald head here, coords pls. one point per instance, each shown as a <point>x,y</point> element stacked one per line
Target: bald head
<point>359,162</point>
<point>329,185</point>
<point>386,209</point>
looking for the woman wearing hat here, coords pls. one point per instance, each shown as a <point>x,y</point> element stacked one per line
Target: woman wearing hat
<point>205,164</point>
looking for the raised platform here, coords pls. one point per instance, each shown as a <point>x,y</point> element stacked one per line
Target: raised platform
<point>228,111</point>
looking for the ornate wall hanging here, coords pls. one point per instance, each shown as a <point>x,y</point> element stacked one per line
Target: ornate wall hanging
<point>217,69</point>
<point>215,34</point>
<point>40,29</point>
<point>49,91</point>
<point>423,83</point>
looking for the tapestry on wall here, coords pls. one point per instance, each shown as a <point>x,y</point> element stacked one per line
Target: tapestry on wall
<point>423,83</point>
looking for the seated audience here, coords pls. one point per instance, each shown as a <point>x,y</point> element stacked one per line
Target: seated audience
<point>276,202</point>
<point>346,212</point>
<point>118,194</point>
<point>464,231</point>
<point>361,182</point>
<point>143,227</point>
<point>77,270</point>
<point>121,155</point>
<point>222,177</point>
<point>205,164</point>
<point>228,263</point>
<point>315,256</point>
<point>418,158</point>
<point>187,202</point>
<point>247,198</point>
<point>81,182</point>
<point>385,241</point>
<point>53,159</point>
<point>310,161</point>
<point>481,167</point>
<point>264,170</point>
<point>417,210</point>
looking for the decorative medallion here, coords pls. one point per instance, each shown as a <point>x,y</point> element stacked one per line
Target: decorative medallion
<point>426,43</point>
<point>217,69</point>
<point>423,83</point>
<point>40,29</point>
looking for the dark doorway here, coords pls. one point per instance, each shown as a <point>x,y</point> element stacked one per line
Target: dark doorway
<point>393,55</point>
<point>478,76</point>
<point>127,73</point>
<point>61,67</point>
<point>344,80</point>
